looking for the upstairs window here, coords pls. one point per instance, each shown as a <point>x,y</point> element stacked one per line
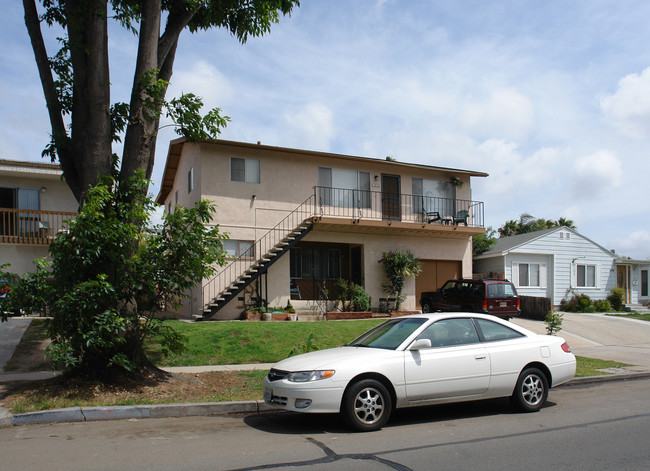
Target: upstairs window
<point>433,195</point>
<point>244,170</point>
<point>344,188</point>
<point>190,180</point>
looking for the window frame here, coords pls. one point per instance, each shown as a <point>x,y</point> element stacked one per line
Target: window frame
<point>528,283</point>
<point>585,267</point>
<point>239,251</point>
<point>248,175</point>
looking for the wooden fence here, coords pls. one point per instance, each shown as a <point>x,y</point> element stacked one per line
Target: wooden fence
<point>533,307</point>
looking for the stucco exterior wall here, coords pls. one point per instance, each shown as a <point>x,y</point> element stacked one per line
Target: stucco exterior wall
<point>54,195</point>
<point>247,211</point>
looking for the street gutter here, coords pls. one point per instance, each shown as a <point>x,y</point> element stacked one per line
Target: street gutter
<point>147,411</point>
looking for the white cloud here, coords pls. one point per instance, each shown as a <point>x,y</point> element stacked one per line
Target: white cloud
<point>635,244</point>
<point>204,80</point>
<point>310,127</point>
<point>595,174</point>
<point>506,113</point>
<point>628,109</point>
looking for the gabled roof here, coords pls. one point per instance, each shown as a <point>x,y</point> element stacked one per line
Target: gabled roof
<point>504,245</point>
<point>176,146</point>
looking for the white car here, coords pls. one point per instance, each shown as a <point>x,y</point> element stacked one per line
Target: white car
<point>419,360</point>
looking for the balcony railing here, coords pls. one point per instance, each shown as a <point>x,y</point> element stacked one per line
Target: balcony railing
<point>26,226</point>
<point>383,206</point>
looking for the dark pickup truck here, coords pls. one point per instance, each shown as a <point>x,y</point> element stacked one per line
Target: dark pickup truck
<point>496,297</point>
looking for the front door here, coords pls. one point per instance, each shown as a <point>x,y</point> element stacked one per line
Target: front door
<point>621,281</point>
<point>390,198</point>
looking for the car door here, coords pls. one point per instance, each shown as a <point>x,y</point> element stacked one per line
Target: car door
<point>456,365</point>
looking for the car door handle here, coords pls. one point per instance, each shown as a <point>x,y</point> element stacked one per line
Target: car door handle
<point>480,357</point>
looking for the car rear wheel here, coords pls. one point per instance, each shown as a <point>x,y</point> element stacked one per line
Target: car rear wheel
<point>367,405</point>
<point>531,390</point>
<point>426,307</point>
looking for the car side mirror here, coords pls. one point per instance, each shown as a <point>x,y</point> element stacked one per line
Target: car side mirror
<point>420,344</point>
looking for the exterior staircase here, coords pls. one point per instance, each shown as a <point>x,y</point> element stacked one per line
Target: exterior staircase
<point>250,265</point>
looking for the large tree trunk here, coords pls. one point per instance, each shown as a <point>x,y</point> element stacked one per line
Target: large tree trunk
<point>91,134</point>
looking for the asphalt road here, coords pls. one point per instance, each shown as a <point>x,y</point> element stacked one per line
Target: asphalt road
<point>595,427</point>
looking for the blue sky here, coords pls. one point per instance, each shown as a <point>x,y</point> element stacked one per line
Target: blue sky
<point>552,99</point>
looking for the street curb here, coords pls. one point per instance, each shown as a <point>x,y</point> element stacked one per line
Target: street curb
<point>145,411</point>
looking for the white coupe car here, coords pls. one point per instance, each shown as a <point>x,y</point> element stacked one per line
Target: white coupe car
<point>418,360</point>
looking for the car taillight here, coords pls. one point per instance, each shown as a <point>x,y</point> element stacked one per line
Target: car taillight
<point>566,348</point>
<point>518,303</point>
<point>485,305</point>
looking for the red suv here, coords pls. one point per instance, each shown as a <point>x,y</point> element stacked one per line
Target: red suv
<point>496,297</point>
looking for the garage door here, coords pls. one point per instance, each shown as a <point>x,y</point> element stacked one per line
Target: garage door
<point>434,274</point>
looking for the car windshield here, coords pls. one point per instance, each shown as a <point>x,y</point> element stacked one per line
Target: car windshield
<point>389,335</point>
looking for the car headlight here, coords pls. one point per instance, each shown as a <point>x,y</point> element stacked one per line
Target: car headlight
<point>305,376</point>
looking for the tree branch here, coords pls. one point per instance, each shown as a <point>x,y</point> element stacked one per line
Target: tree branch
<point>59,133</point>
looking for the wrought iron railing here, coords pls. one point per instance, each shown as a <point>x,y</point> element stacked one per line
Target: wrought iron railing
<point>26,226</point>
<point>375,205</point>
<point>339,202</point>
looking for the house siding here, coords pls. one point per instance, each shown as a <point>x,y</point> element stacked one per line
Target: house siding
<point>561,255</point>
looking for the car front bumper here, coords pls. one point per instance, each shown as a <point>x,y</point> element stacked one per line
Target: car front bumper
<point>317,397</point>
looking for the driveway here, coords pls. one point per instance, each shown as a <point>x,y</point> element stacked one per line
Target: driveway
<point>603,337</point>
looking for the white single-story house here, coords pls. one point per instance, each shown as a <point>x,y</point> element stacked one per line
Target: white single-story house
<point>557,262</point>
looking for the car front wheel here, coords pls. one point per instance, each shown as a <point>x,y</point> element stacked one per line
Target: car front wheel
<point>531,390</point>
<point>366,405</point>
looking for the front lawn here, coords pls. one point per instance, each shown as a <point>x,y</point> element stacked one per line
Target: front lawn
<point>235,343</point>
<point>633,315</point>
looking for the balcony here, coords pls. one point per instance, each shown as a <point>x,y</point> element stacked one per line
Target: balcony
<point>381,209</point>
<point>25,226</point>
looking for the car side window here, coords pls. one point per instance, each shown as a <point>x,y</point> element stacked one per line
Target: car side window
<point>493,332</point>
<point>449,332</point>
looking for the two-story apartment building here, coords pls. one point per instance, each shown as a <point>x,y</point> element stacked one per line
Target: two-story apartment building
<point>34,203</point>
<point>298,220</point>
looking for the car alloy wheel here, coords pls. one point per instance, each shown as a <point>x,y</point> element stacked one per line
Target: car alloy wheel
<point>426,308</point>
<point>531,390</point>
<point>367,405</point>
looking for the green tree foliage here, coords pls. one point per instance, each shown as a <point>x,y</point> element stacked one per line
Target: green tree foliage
<point>108,278</point>
<point>483,242</point>
<point>77,84</point>
<point>398,266</point>
<point>528,223</point>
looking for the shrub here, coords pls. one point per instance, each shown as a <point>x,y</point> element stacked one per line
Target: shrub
<point>109,277</point>
<point>616,297</point>
<point>352,296</point>
<point>602,305</point>
<point>578,303</point>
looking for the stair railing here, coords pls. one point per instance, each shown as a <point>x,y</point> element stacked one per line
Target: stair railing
<point>258,253</point>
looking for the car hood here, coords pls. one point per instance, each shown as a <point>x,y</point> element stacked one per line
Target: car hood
<point>330,358</point>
